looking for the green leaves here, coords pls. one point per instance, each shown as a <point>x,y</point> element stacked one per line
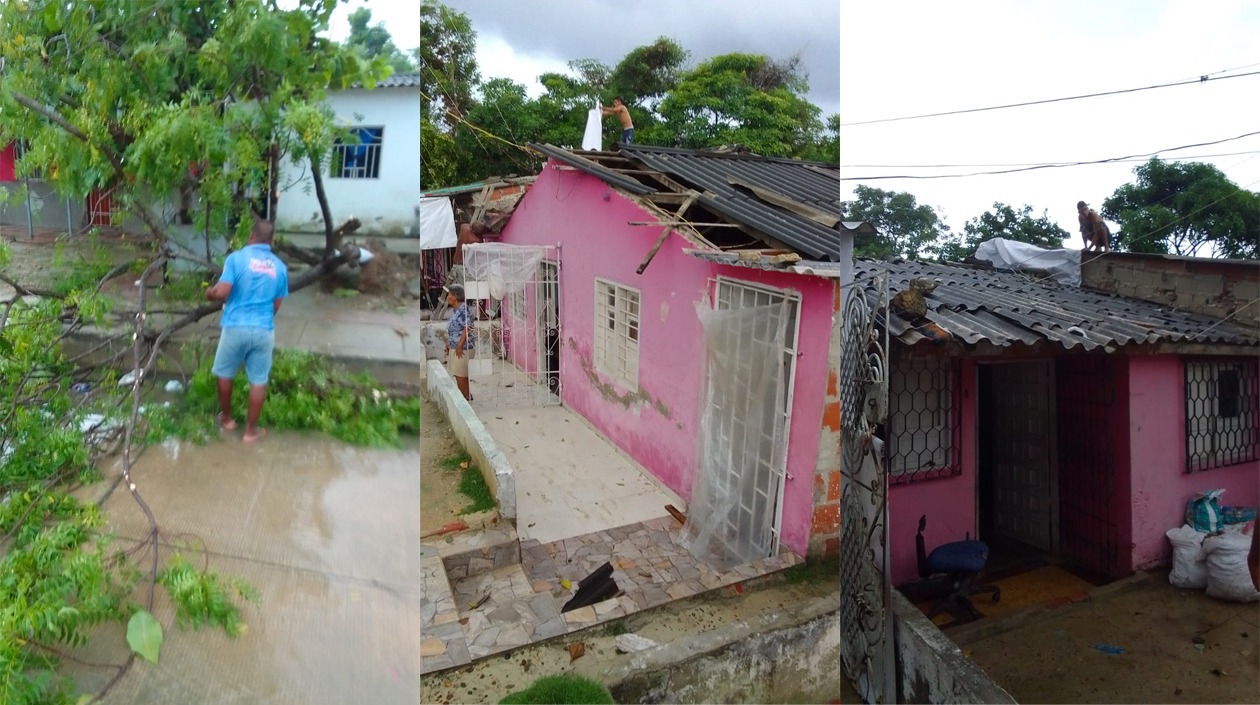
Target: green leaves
<point>144,636</point>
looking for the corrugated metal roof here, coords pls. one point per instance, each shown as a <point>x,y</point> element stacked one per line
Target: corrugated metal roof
<point>397,80</point>
<point>593,168</point>
<point>816,185</point>
<point>475,187</point>
<point>1005,308</point>
<point>827,270</point>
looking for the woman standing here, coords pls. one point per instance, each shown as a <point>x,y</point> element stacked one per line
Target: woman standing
<point>459,339</point>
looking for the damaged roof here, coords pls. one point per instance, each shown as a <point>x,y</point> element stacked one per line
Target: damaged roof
<point>1005,308</point>
<point>781,202</point>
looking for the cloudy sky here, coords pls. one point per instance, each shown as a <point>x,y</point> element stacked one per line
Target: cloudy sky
<point>910,57</point>
<point>521,39</point>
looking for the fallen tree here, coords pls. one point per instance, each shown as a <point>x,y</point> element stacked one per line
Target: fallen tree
<point>184,105</point>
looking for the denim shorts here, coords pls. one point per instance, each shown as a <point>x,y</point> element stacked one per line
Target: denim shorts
<point>246,345</point>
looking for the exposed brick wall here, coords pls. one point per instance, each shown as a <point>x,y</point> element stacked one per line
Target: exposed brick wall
<point>1212,287</point>
<point>824,535</point>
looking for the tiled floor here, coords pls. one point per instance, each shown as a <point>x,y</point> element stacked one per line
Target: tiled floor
<point>522,602</point>
<point>549,448</point>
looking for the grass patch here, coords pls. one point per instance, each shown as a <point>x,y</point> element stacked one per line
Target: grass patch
<point>826,570</point>
<point>474,487</point>
<point>561,690</point>
<point>459,461</point>
<point>616,628</point>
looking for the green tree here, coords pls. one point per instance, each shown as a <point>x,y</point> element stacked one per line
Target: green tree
<point>505,111</point>
<point>374,40</point>
<point>906,228</point>
<point>1181,207</point>
<point>1007,223</point>
<point>740,99</point>
<point>447,63</point>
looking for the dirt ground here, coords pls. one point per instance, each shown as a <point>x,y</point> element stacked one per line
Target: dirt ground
<point>1057,660</point>
<point>440,499</point>
<point>489,680</point>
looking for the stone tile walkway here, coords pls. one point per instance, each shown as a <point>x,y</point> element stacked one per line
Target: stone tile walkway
<point>493,608</point>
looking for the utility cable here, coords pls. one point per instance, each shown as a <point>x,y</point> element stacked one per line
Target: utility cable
<point>1010,164</point>
<point>1048,166</point>
<point>1202,79</point>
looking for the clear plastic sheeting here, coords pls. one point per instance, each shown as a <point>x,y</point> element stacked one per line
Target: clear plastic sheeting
<point>504,269</point>
<point>1064,266</point>
<point>730,519</point>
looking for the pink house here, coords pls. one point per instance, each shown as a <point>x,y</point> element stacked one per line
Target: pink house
<point>648,242</point>
<point>1060,422</point>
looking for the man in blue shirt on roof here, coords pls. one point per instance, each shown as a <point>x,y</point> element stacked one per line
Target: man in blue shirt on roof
<point>253,283</point>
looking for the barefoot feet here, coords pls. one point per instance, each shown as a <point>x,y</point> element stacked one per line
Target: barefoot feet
<point>226,423</point>
<point>254,435</point>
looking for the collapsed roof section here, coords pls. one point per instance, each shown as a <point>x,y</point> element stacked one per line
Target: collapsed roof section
<point>780,212</point>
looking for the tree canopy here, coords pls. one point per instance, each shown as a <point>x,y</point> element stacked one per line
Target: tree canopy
<point>906,227</point>
<point>1007,223</point>
<point>374,40</point>
<point>755,101</point>
<point>1180,207</point>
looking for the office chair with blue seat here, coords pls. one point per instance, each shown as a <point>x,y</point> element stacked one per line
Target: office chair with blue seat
<point>962,561</point>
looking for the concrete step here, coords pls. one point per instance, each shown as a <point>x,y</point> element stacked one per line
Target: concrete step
<point>475,553</point>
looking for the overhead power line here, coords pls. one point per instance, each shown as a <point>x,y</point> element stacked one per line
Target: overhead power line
<point>1046,166</point>
<point>1202,79</point>
<point>1014,164</point>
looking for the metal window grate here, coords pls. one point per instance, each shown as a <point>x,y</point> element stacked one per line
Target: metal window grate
<point>516,305</point>
<point>360,156</point>
<point>923,419</point>
<point>1221,413</point>
<point>617,332</point>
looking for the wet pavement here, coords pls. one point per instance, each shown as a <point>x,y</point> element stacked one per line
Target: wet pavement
<point>326,532</point>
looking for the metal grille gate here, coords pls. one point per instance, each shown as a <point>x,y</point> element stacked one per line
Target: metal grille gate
<point>866,640</point>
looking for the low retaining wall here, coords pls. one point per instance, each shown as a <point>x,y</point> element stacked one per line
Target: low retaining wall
<point>931,668</point>
<point>789,656</point>
<point>474,437</point>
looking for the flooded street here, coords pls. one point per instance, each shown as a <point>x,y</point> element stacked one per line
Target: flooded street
<point>324,531</point>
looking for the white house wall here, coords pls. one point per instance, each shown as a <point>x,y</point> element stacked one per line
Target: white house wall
<point>388,205</point>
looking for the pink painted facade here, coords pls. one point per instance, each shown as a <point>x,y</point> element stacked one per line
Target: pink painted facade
<point>1151,485</point>
<point>1161,485</point>
<point>658,424</point>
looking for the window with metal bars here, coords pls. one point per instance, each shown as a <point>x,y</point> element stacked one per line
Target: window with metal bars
<point>617,332</point>
<point>923,419</point>
<point>359,155</point>
<point>516,304</point>
<point>1221,413</point>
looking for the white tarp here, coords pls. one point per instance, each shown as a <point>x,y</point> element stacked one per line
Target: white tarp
<point>592,138</point>
<point>1063,265</point>
<point>437,224</point>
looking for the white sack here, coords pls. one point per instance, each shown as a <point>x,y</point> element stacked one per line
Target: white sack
<point>1228,576</point>
<point>1189,570</point>
<point>592,138</point>
<point>437,224</point>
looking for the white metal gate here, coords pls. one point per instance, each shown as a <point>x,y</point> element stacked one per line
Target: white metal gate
<point>760,437</point>
<point>514,294</point>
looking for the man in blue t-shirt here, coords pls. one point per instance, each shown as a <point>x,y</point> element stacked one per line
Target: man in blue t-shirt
<point>254,281</point>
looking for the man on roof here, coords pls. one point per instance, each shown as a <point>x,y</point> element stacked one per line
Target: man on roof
<point>627,125</point>
<point>1093,230</point>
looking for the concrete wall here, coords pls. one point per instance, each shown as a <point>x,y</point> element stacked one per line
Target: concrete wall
<point>1213,287</point>
<point>47,207</point>
<point>931,668</point>
<point>824,537</point>
<point>792,656</point>
<point>386,205</point>
<point>1157,446</point>
<point>657,424</point>
<point>472,435</point>
<point>948,502</point>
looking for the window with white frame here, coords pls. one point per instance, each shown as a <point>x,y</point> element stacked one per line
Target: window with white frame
<point>617,332</point>
<point>922,418</point>
<point>358,155</point>
<point>516,304</point>
<point>1221,413</point>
